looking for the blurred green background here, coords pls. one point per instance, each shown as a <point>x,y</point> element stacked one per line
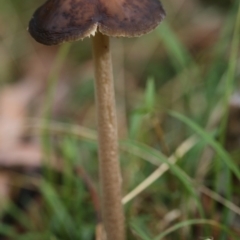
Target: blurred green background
<point>178,102</point>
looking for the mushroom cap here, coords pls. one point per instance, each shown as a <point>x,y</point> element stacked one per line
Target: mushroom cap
<point>58,21</point>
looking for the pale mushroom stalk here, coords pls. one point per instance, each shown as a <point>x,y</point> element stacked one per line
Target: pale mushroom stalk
<point>109,168</point>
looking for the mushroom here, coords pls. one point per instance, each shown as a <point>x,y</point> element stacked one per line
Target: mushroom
<point>58,21</point>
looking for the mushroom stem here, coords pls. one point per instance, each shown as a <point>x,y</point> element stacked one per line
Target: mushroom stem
<point>110,175</point>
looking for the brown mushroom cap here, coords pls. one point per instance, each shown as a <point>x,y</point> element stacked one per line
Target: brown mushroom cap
<point>58,21</point>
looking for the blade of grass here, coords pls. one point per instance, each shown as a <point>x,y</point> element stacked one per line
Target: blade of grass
<point>150,95</point>
<point>180,56</point>
<point>209,140</point>
<point>182,60</point>
<point>140,231</point>
<point>177,171</point>
<point>232,67</point>
<point>179,153</point>
<point>218,67</point>
<point>52,82</point>
<point>69,149</point>
<point>193,222</point>
<point>58,208</point>
<point>229,86</point>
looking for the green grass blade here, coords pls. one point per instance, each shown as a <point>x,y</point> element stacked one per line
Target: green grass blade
<point>193,222</point>
<point>150,94</point>
<point>53,77</point>
<point>58,208</point>
<point>180,56</point>
<point>209,140</point>
<point>229,86</point>
<point>140,231</point>
<point>177,171</point>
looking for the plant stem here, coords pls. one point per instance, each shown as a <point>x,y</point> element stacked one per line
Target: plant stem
<point>110,176</point>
